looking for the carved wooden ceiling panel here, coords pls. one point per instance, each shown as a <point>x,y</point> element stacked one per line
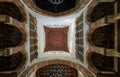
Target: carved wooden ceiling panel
<point>56,39</point>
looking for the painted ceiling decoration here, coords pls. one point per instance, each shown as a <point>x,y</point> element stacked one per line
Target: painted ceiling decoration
<point>56,39</point>
<point>104,36</point>
<point>55,6</point>
<point>101,10</point>
<point>10,36</point>
<point>56,70</point>
<point>11,10</point>
<point>11,62</point>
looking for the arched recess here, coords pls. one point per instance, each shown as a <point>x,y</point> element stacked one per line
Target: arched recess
<point>79,4</point>
<point>10,36</point>
<point>103,37</point>
<point>102,66</point>
<point>12,65</point>
<point>13,8</point>
<point>98,10</point>
<point>102,63</point>
<point>76,66</point>
<point>11,62</point>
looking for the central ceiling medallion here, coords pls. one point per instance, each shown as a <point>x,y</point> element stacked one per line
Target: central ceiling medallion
<point>57,2</point>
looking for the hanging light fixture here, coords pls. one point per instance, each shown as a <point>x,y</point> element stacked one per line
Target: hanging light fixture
<point>56,2</point>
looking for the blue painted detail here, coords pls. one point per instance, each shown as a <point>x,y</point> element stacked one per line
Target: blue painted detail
<point>56,73</point>
<point>57,2</point>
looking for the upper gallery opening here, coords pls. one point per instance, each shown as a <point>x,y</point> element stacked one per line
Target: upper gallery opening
<point>55,6</point>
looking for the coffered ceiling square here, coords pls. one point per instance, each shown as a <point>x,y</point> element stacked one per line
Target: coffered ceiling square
<point>56,39</point>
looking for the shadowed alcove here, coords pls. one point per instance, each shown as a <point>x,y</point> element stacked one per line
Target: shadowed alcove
<point>55,6</point>
<point>104,36</point>
<point>101,10</point>
<point>10,62</point>
<point>11,10</point>
<point>10,36</point>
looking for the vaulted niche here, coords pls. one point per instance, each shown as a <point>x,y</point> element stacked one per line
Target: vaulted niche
<point>10,36</point>
<point>56,70</point>
<point>10,62</point>
<point>55,6</point>
<point>102,63</point>
<point>104,36</point>
<point>10,9</point>
<point>101,10</point>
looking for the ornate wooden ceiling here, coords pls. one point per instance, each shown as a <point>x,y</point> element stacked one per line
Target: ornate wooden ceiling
<point>56,39</point>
